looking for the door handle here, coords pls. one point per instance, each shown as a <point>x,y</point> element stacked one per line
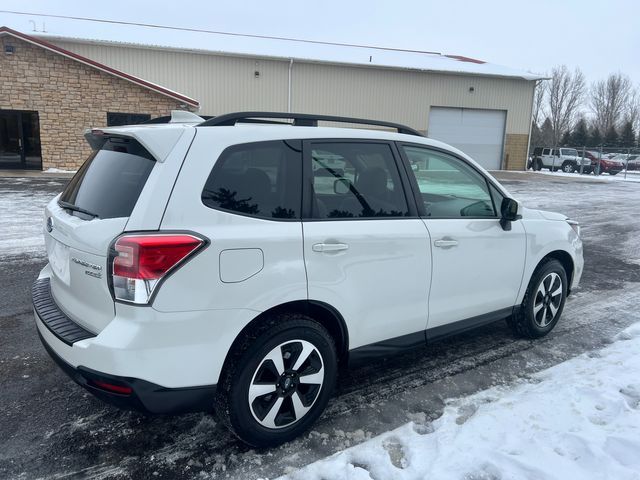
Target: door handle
<point>445,243</point>
<point>330,247</point>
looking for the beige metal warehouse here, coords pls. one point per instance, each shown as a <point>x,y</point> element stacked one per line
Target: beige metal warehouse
<point>483,109</point>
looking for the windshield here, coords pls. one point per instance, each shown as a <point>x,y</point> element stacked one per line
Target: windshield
<point>110,181</point>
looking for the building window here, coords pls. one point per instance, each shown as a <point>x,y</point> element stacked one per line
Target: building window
<point>115,119</point>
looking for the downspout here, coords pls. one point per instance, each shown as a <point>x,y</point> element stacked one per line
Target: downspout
<point>533,99</point>
<point>289,87</point>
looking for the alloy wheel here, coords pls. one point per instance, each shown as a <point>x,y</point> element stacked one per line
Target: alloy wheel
<point>286,384</point>
<point>548,299</point>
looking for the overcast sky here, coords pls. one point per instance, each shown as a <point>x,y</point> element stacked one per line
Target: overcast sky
<point>600,37</point>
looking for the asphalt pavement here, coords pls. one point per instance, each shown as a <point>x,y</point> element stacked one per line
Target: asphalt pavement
<point>51,428</point>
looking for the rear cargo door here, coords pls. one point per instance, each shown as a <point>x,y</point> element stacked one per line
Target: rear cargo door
<point>81,223</point>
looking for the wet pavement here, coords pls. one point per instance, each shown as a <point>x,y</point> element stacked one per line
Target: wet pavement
<point>51,428</point>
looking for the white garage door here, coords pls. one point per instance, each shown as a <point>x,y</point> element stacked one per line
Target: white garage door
<point>478,133</point>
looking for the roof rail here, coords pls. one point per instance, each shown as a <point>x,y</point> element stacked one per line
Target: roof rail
<point>299,119</point>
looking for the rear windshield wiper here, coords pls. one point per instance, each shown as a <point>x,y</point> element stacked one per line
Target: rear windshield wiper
<point>75,208</point>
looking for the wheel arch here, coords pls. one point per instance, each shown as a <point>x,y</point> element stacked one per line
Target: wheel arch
<point>323,313</point>
<point>565,259</point>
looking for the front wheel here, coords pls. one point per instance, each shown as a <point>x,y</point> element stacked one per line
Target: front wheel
<point>278,381</point>
<point>567,167</point>
<point>543,301</point>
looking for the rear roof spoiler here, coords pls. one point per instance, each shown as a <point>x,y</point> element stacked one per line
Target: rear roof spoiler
<point>158,142</point>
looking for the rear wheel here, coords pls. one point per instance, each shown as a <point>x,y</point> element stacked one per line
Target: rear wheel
<point>278,381</point>
<point>543,301</point>
<point>537,164</point>
<point>613,172</point>
<point>568,167</point>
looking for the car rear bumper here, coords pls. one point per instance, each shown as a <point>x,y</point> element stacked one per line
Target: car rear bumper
<point>136,394</point>
<point>170,361</point>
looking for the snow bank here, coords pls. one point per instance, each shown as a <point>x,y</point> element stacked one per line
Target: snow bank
<point>579,419</point>
<point>58,170</point>
<point>604,177</point>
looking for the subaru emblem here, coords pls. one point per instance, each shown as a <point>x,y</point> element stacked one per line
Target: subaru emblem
<point>49,224</point>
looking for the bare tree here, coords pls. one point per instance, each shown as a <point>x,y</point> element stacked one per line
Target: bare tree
<point>611,100</point>
<point>632,109</point>
<point>538,102</point>
<point>565,93</point>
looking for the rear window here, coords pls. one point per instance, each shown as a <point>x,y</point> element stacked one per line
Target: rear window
<point>261,179</point>
<point>110,181</point>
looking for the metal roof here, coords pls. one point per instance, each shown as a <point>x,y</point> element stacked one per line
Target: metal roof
<point>218,44</point>
<point>256,46</point>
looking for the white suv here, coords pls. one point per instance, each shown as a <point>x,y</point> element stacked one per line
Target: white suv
<point>199,266</point>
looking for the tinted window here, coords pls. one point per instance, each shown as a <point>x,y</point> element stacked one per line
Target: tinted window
<point>449,187</point>
<point>546,151</point>
<point>262,179</point>
<point>356,180</point>
<point>116,119</point>
<point>110,181</point>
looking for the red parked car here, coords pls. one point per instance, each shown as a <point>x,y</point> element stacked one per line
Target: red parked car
<point>607,165</point>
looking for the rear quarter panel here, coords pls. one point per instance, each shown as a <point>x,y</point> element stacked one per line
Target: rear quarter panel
<point>198,285</point>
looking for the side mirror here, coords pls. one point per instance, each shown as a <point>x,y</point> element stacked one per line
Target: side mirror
<point>341,186</point>
<point>508,213</point>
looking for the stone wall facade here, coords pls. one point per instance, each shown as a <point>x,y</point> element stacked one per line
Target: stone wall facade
<point>69,97</point>
<point>515,151</point>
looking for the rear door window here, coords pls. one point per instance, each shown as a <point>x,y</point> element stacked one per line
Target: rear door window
<point>356,180</point>
<point>262,179</point>
<point>110,181</point>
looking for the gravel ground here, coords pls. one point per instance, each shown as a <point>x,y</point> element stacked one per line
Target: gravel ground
<point>53,429</point>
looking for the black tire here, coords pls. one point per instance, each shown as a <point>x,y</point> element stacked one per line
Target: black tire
<point>526,323</point>
<point>568,167</point>
<point>247,360</point>
<point>613,172</point>
<point>537,165</point>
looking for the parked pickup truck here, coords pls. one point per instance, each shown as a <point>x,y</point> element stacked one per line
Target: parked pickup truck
<point>566,159</point>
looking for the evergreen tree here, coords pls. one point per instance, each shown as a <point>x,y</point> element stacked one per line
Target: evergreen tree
<point>566,139</point>
<point>595,137</point>
<point>579,136</point>
<point>611,138</point>
<point>536,136</point>
<point>628,136</point>
<point>547,133</point>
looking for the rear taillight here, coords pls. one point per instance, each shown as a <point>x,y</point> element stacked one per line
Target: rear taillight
<point>139,262</point>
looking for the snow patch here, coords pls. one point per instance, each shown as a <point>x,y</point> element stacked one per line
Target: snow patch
<point>578,419</point>
<point>21,222</point>
<point>58,170</point>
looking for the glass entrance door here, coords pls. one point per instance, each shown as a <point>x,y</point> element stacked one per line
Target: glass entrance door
<point>20,140</point>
